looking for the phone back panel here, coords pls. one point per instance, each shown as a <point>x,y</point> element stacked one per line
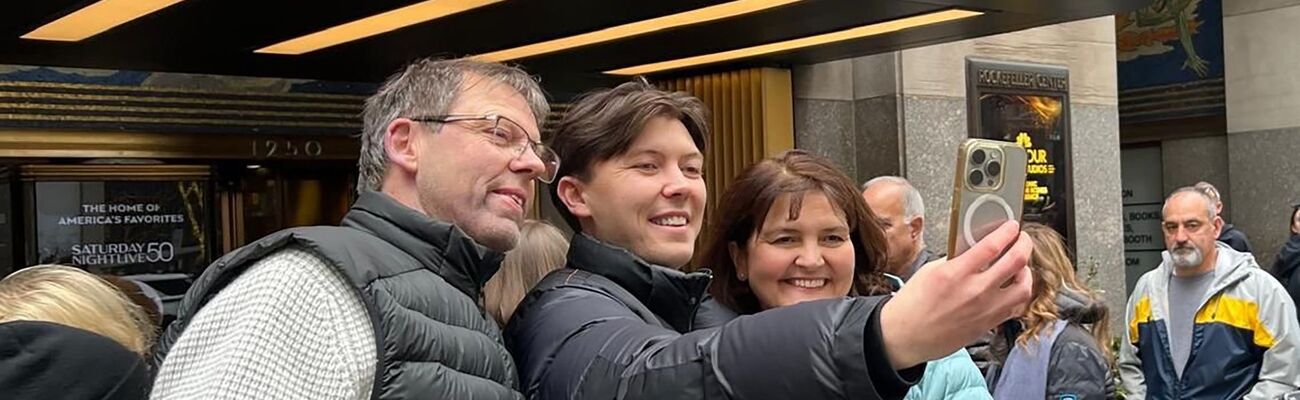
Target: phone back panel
<point>988,189</point>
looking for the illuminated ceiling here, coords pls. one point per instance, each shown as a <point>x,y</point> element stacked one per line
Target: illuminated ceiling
<point>224,36</point>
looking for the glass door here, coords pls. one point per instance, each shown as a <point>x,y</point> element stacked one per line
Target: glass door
<point>266,198</point>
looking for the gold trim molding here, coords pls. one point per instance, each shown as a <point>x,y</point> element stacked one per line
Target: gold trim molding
<point>180,91</point>
<point>114,172</point>
<point>105,108</point>
<point>107,144</point>
<point>71,118</point>
<point>198,101</point>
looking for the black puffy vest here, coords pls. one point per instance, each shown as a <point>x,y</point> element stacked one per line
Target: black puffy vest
<point>420,281</point>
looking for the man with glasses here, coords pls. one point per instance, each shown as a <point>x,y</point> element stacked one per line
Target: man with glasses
<point>387,304</point>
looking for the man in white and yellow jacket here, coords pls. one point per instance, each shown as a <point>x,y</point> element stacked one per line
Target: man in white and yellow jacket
<point>1208,323</point>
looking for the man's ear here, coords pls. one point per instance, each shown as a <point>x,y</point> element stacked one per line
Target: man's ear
<point>917,226</point>
<point>401,144</point>
<point>573,194</point>
<point>1218,226</point>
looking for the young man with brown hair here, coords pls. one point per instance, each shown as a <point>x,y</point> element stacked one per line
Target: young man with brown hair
<point>618,322</point>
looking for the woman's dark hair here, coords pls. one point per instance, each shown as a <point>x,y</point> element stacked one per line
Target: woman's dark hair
<point>1290,220</point>
<point>745,206</point>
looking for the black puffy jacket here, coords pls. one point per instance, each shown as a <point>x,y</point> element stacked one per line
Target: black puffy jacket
<point>1287,268</point>
<point>1234,238</point>
<point>1077,369</point>
<point>612,326</point>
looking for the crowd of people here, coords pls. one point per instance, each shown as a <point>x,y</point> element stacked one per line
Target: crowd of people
<point>435,286</point>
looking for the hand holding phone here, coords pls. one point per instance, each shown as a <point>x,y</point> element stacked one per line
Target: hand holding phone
<point>947,306</point>
<point>988,190</point>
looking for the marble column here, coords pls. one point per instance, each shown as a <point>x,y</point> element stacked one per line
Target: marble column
<point>904,113</point>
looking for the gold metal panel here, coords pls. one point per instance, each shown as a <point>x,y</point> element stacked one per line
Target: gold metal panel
<point>175,110</point>
<point>751,116</point>
<point>778,111</point>
<point>198,101</point>
<point>90,144</point>
<point>169,120</point>
<point>113,172</point>
<point>169,90</point>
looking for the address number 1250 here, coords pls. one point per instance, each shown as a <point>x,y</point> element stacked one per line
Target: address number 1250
<point>286,148</point>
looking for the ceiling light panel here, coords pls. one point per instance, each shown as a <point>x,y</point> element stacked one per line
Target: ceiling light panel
<point>793,44</point>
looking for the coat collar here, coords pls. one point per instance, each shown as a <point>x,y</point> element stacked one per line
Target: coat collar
<point>670,294</point>
<point>439,246</point>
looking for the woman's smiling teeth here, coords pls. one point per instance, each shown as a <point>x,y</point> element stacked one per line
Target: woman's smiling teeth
<point>670,221</point>
<point>807,283</point>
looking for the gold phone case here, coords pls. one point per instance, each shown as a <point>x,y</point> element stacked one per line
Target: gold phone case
<point>988,189</point>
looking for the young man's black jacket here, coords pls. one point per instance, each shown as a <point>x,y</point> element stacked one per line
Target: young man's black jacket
<point>613,326</point>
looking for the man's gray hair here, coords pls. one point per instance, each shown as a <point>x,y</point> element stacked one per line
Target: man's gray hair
<point>1200,193</point>
<point>913,206</point>
<point>428,87</point>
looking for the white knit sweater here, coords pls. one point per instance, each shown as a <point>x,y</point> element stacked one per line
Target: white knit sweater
<point>291,327</point>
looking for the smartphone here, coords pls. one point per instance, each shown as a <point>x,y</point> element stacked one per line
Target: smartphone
<point>988,190</point>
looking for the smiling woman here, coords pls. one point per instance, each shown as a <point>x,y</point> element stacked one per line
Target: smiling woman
<point>793,228</point>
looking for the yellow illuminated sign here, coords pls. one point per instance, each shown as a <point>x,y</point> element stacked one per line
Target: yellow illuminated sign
<point>1039,164</point>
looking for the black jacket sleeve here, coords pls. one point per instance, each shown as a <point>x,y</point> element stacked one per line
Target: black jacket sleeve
<point>574,343</point>
<point>1077,367</point>
<point>713,314</point>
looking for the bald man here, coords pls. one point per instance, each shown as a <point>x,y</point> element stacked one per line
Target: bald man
<point>901,214</point>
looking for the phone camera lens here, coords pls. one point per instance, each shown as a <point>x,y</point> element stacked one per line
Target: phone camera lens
<point>994,168</point>
<point>977,157</point>
<point>976,178</point>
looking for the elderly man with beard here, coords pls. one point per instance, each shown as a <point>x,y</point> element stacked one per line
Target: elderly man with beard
<point>1208,323</point>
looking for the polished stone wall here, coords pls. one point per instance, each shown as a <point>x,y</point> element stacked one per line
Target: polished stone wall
<point>1263,100</point>
<point>908,116</point>
<point>1187,161</point>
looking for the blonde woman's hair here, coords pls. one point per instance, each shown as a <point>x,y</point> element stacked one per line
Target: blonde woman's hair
<point>73,297</point>
<point>1053,271</point>
<point>542,248</point>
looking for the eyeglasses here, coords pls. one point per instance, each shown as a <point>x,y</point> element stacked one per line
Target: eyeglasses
<point>506,134</point>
